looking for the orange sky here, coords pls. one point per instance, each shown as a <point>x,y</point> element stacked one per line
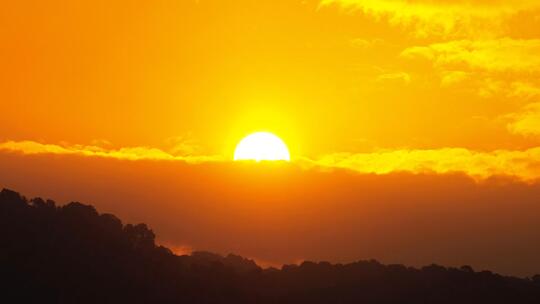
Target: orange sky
<point>337,76</point>
<point>391,87</point>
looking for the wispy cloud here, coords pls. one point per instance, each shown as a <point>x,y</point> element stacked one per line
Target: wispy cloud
<point>457,18</point>
<point>495,55</point>
<point>523,164</point>
<point>396,76</point>
<point>184,145</point>
<point>449,78</point>
<point>496,67</point>
<point>525,89</point>
<point>527,121</point>
<point>126,153</point>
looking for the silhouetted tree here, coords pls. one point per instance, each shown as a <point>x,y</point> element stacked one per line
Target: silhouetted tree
<point>72,254</point>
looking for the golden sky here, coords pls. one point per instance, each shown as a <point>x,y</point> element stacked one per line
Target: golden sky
<point>391,87</point>
<point>442,81</point>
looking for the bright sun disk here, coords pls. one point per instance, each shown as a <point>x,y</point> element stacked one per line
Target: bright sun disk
<point>261,146</point>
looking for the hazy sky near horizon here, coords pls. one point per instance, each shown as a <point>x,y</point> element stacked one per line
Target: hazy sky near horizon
<point>405,119</point>
<point>286,214</point>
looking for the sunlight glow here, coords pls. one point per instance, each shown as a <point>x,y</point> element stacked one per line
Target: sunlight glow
<point>261,146</point>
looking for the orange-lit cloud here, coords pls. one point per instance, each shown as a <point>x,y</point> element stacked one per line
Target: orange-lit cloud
<point>526,122</point>
<point>397,76</point>
<point>496,55</point>
<point>450,78</point>
<point>523,164</point>
<point>525,89</point>
<point>499,66</point>
<point>127,153</point>
<point>472,47</point>
<point>281,213</point>
<point>462,17</point>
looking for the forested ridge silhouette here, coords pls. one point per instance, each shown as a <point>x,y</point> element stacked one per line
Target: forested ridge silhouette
<point>73,254</point>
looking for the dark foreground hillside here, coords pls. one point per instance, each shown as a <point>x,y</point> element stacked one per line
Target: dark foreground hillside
<point>72,254</point>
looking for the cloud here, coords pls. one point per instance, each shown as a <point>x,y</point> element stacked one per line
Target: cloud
<point>493,67</point>
<point>497,67</point>
<point>442,17</point>
<point>525,89</point>
<point>184,145</point>
<point>396,76</point>
<point>365,43</point>
<point>495,55</point>
<point>523,164</point>
<point>225,207</point>
<point>126,153</point>
<point>490,87</point>
<point>450,78</point>
<point>526,122</point>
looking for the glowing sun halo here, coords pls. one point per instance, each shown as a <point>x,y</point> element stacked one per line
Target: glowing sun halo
<point>261,146</point>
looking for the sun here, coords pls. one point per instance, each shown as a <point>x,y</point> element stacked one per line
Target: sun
<point>262,146</point>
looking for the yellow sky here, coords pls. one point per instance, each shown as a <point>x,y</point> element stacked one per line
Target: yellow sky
<point>375,86</point>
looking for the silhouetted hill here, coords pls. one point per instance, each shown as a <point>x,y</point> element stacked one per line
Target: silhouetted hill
<point>73,254</point>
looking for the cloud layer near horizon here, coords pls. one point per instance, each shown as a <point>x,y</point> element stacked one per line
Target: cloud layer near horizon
<point>522,164</point>
<point>128,153</point>
<point>282,214</point>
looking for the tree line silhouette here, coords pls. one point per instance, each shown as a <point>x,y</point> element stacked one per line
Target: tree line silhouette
<point>73,254</point>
